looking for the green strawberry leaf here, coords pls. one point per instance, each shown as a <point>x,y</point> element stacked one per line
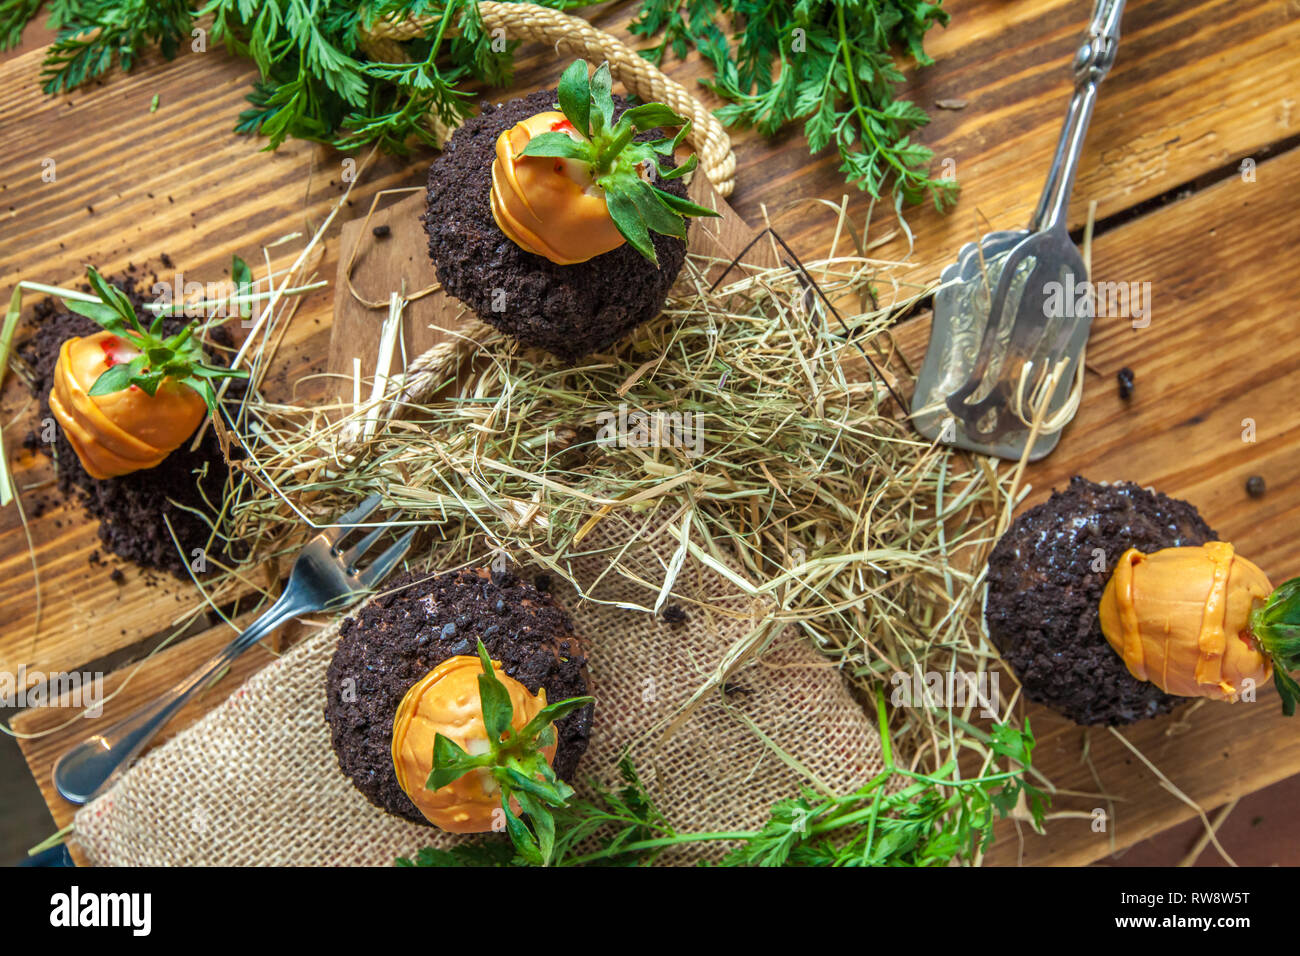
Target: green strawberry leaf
<point>114,297</point>
<point>558,144</point>
<point>602,97</point>
<point>681,169</point>
<point>553,712</point>
<point>543,824</point>
<point>684,206</point>
<point>497,709</point>
<point>451,762</point>
<point>522,837</point>
<point>1287,689</point>
<point>655,213</point>
<point>104,315</point>
<point>242,276</point>
<point>204,388</point>
<point>651,116</point>
<point>178,357</point>
<point>666,147</point>
<point>206,371</point>
<point>114,379</point>
<point>574,94</point>
<point>627,218</point>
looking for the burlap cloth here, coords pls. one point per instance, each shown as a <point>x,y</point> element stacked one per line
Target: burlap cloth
<point>255,781</point>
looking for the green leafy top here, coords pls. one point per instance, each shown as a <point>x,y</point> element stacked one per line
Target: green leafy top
<point>617,162</point>
<point>177,357</point>
<point>1276,625</point>
<point>831,67</point>
<point>515,761</point>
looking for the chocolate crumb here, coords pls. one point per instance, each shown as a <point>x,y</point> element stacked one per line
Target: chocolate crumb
<point>1255,486</point>
<point>1125,380</point>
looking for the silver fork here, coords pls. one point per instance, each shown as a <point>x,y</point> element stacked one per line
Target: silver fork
<point>324,578</point>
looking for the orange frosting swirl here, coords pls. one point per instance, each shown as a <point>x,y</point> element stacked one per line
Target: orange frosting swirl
<point>446,701</point>
<point>549,206</point>
<point>123,431</point>
<point>1179,618</point>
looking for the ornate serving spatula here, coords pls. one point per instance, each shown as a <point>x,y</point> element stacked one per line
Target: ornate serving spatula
<point>1008,310</point>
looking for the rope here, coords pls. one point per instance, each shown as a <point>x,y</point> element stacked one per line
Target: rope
<point>574,37</point>
<point>431,369</point>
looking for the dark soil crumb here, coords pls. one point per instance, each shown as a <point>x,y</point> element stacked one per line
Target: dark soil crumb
<point>568,310</point>
<point>1255,486</point>
<point>675,614</point>
<point>1043,595</point>
<point>117,576</point>
<point>131,509</point>
<point>420,622</point>
<point>1126,381</point>
<point>381,232</point>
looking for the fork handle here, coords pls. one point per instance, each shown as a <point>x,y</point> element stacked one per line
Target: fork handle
<point>93,765</point>
<point>1092,61</point>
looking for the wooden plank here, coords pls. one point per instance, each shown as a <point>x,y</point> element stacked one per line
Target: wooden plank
<point>1211,262</point>
<point>1197,86</point>
<point>210,193</point>
<point>1220,349</point>
<point>215,195</point>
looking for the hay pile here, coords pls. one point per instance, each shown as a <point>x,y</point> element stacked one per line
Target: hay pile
<point>746,418</point>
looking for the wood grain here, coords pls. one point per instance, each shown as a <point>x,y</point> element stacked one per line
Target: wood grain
<point>1220,350</point>
<point>1198,86</point>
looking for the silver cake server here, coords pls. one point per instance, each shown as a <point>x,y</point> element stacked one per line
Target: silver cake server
<point>998,316</point>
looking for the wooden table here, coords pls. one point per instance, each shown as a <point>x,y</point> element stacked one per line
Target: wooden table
<point>1198,88</point>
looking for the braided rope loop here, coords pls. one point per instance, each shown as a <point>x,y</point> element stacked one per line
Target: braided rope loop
<point>573,36</point>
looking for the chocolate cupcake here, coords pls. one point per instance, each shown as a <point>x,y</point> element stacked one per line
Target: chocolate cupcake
<point>1046,577</point>
<point>561,227</point>
<point>423,629</point>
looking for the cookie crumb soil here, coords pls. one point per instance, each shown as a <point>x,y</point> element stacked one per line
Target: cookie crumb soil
<point>421,621</point>
<point>133,510</point>
<point>1046,577</point>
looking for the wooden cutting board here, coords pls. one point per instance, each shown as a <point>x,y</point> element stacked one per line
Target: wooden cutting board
<point>386,251</point>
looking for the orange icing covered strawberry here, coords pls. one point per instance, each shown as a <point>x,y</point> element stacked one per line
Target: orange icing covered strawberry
<point>446,702</point>
<point>473,748</point>
<point>574,184</point>
<point>127,397</point>
<point>1203,622</point>
<point>549,205</point>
